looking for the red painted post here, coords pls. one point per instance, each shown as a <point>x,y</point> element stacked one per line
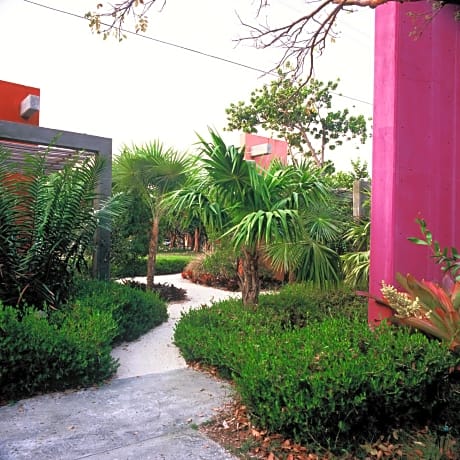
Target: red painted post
<point>416,143</point>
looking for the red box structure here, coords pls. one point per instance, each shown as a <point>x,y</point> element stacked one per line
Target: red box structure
<point>11,96</point>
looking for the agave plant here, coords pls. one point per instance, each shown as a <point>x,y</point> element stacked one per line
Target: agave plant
<point>427,306</point>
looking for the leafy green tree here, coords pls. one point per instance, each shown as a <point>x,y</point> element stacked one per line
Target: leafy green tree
<point>151,172</point>
<point>47,223</point>
<point>130,236</point>
<point>299,113</point>
<point>252,207</point>
<point>345,179</point>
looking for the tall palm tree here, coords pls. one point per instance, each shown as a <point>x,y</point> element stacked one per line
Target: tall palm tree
<point>152,171</point>
<point>255,208</point>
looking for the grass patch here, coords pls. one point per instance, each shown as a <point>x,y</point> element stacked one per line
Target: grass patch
<point>167,263</point>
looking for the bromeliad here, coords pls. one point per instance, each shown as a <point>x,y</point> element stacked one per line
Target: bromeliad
<point>427,306</point>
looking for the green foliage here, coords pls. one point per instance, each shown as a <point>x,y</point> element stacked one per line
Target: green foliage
<point>47,223</point>
<point>300,304</point>
<point>334,382</point>
<point>263,212</point>
<point>165,264</point>
<point>355,267</point>
<point>222,262</point>
<point>356,262</point>
<point>135,311</point>
<point>255,208</point>
<point>299,113</point>
<point>130,238</point>
<point>214,335</point>
<point>37,355</point>
<point>345,179</point>
<point>150,172</point>
<point>342,383</point>
<point>447,258</point>
<point>219,268</point>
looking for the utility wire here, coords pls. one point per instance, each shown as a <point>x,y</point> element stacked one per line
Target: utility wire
<point>175,45</point>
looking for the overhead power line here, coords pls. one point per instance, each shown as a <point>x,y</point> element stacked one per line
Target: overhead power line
<point>175,45</point>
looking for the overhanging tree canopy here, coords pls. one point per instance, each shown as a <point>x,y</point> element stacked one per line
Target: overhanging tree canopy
<point>301,38</point>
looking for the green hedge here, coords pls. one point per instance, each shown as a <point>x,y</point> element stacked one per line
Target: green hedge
<point>38,356</point>
<point>340,383</point>
<point>297,304</point>
<point>135,311</point>
<point>333,382</point>
<point>69,348</point>
<point>166,264</point>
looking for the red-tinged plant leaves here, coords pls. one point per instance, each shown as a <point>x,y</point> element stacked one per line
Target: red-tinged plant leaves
<point>455,296</point>
<point>439,308</point>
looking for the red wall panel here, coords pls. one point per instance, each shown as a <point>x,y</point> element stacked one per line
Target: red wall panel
<point>11,96</point>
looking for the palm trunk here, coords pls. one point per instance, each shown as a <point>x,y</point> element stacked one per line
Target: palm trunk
<point>172,240</point>
<point>196,246</point>
<point>249,277</point>
<point>153,249</point>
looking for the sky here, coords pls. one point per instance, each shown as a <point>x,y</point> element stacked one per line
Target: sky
<point>140,89</point>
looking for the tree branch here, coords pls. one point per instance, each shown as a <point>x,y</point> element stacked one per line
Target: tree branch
<point>300,41</point>
<point>117,14</point>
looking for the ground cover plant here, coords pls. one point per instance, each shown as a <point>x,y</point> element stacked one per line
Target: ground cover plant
<point>50,350</point>
<point>326,381</point>
<point>135,311</point>
<point>39,355</point>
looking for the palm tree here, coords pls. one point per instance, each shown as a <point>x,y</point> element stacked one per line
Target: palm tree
<point>152,171</point>
<point>255,208</point>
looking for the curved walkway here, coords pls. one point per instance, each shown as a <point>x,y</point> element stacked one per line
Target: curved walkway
<point>154,352</point>
<point>148,412</point>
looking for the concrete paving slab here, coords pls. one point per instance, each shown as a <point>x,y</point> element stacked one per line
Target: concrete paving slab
<point>147,417</point>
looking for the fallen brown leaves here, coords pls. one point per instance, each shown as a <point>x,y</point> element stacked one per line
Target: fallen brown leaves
<point>232,428</point>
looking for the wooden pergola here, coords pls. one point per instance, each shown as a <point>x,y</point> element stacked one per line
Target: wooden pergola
<point>21,139</point>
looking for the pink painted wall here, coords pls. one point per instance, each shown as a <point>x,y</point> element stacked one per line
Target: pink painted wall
<point>279,149</point>
<point>416,169</point>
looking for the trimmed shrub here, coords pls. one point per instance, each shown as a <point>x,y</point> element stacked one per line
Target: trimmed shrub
<point>339,383</point>
<point>135,311</point>
<point>213,335</point>
<point>169,264</point>
<point>165,264</point>
<point>334,382</point>
<point>297,304</point>
<point>38,356</point>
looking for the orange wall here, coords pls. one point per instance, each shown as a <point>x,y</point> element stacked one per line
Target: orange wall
<point>279,149</point>
<point>11,95</point>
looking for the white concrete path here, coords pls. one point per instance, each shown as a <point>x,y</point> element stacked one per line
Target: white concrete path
<point>154,352</point>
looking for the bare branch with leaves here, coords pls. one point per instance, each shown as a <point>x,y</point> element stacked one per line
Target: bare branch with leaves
<point>302,39</point>
<point>109,19</point>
